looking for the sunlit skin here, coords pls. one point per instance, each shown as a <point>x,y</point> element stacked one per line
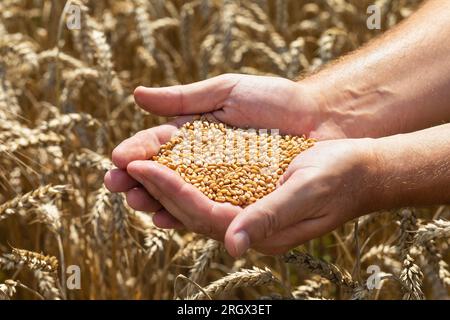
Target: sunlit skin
<point>397,84</point>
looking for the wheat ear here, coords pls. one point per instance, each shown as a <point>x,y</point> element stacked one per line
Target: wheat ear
<point>327,270</point>
<point>244,278</point>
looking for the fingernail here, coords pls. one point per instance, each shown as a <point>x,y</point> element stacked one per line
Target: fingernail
<point>241,243</point>
<point>137,96</point>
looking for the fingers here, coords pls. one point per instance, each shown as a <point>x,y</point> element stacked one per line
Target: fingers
<point>164,220</point>
<point>145,144</point>
<point>139,199</point>
<point>117,180</point>
<point>185,202</point>
<point>195,98</point>
<point>269,215</point>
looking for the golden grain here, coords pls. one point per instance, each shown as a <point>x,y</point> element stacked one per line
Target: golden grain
<point>236,182</point>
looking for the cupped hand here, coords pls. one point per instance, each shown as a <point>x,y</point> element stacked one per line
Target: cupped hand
<point>242,101</point>
<point>238,100</point>
<point>322,188</point>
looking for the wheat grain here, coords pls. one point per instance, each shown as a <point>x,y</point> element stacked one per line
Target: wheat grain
<point>233,178</point>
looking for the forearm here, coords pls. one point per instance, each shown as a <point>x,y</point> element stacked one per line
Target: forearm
<point>397,83</point>
<point>411,169</point>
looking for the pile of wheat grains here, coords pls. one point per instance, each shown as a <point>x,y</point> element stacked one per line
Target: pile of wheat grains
<point>230,164</point>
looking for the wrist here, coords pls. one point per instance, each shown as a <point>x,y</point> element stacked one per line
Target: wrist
<point>371,172</point>
<point>353,109</point>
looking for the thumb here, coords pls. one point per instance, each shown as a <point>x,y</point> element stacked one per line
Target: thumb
<point>271,214</point>
<point>199,97</point>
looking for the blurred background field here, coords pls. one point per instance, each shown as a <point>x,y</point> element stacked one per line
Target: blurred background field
<point>66,101</point>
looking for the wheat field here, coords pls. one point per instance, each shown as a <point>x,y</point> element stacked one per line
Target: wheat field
<point>66,101</point>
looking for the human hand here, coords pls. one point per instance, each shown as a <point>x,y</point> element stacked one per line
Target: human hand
<point>238,100</point>
<point>246,101</point>
<point>322,188</point>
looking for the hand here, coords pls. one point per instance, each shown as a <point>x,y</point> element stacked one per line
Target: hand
<point>322,188</point>
<point>243,101</point>
<point>246,101</point>
<point>239,100</point>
